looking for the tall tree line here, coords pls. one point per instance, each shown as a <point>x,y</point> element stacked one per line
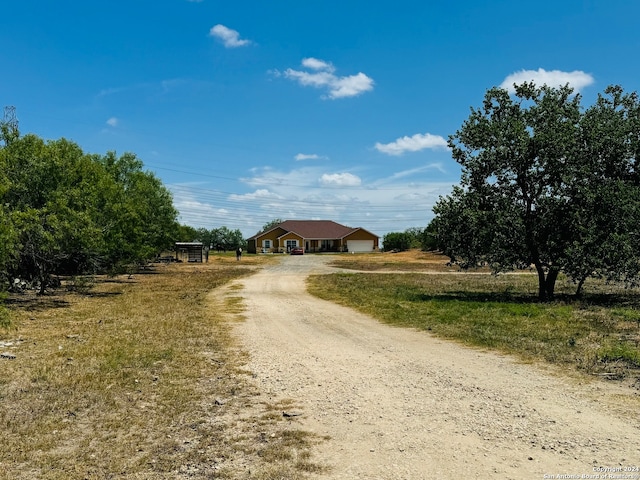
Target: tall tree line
<point>63,211</point>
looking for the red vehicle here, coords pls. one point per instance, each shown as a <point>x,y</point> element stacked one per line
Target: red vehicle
<point>297,251</point>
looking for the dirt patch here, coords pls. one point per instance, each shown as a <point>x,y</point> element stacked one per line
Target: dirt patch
<point>400,404</point>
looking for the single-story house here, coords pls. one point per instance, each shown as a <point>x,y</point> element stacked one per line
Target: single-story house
<point>313,236</point>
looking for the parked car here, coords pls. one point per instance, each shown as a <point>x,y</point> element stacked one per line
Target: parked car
<point>297,251</point>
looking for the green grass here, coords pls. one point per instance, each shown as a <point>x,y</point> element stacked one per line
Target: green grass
<point>620,353</point>
<point>599,333</point>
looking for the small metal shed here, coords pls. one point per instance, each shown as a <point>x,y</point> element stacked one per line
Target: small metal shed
<point>189,251</point>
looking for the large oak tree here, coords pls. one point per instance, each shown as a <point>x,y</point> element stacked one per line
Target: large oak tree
<point>549,184</point>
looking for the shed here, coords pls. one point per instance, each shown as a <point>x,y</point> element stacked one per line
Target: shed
<point>189,251</point>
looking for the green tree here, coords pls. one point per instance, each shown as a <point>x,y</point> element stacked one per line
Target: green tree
<point>8,246</point>
<point>604,213</point>
<point>219,238</point>
<point>428,238</point>
<point>272,223</point>
<point>8,132</point>
<point>397,241</point>
<point>139,218</point>
<point>207,238</point>
<point>415,234</point>
<point>410,238</point>
<point>236,239</point>
<point>187,233</point>
<point>548,184</point>
<point>49,211</point>
<point>66,212</point>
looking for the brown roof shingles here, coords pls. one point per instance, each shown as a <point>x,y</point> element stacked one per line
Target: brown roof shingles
<point>314,229</point>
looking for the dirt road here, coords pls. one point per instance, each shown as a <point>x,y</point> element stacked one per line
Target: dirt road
<point>400,404</point>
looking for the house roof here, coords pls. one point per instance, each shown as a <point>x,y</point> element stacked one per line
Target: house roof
<point>313,229</point>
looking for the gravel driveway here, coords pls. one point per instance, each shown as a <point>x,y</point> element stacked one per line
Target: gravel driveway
<point>401,404</point>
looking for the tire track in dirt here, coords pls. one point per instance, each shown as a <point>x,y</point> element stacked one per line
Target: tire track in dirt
<point>401,404</point>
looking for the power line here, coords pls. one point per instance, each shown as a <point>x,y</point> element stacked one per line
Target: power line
<point>277,181</point>
<point>221,198</point>
<point>208,207</point>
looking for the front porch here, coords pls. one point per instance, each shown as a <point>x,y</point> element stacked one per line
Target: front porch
<point>321,246</point>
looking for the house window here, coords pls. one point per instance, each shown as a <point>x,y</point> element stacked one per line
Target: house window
<point>266,243</point>
<point>327,244</point>
<point>291,244</point>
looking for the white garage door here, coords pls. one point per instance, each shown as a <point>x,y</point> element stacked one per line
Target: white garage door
<point>360,245</point>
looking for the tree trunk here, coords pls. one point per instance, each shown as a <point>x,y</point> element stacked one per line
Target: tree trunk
<point>43,277</point>
<point>550,283</point>
<point>542,291</point>
<point>546,282</point>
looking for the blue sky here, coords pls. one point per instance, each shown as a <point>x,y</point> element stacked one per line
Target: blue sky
<point>255,110</point>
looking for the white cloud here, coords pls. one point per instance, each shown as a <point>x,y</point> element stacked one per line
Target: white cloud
<point>230,38</point>
<point>268,177</point>
<point>323,76</point>
<point>412,144</point>
<point>261,193</point>
<point>408,173</point>
<point>553,78</point>
<point>112,122</point>
<point>351,86</point>
<point>316,64</point>
<point>413,197</point>
<point>340,180</point>
<point>303,156</point>
<point>320,79</point>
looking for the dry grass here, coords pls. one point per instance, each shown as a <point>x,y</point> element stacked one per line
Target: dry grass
<point>409,261</point>
<point>139,378</point>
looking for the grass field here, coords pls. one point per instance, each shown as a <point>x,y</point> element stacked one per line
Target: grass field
<point>598,334</point>
<point>138,378</point>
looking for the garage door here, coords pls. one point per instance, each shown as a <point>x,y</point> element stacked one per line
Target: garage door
<point>360,245</point>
